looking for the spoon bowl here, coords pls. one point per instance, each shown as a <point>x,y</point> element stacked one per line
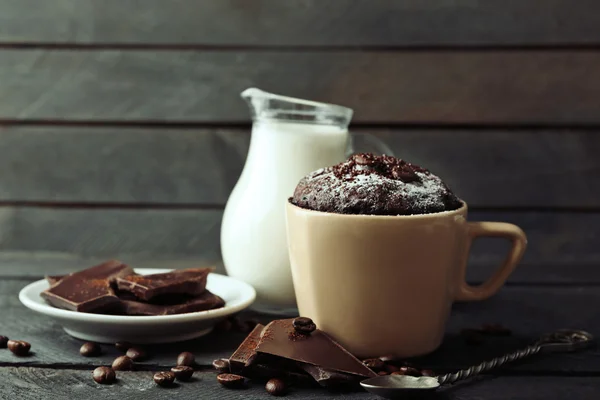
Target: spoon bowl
<point>397,386</point>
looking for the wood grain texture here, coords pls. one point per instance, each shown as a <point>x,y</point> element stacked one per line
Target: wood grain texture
<point>31,383</point>
<point>300,23</point>
<point>528,311</point>
<point>490,168</point>
<point>566,239</point>
<point>522,87</point>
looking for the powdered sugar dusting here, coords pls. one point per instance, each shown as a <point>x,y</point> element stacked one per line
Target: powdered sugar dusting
<point>367,184</point>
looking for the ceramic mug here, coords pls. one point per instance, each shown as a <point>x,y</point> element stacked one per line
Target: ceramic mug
<point>385,284</point>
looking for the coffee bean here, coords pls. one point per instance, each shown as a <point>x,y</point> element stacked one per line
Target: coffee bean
<point>407,371</point>
<point>495,330</point>
<point>231,381</point>
<point>122,363</point>
<point>381,373</point>
<point>390,359</point>
<point>224,325</point>
<point>90,349</point>
<point>391,368</point>
<point>123,346</point>
<point>164,378</point>
<point>375,364</point>
<point>104,375</point>
<point>221,365</point>
<point>182,372</point>
<point>136,353</point>
<point>18,347</point>
<point>185,358</point>
<point>427,372</point>
<point>304,325</point>
<point>276,387</point>
<point>3,342</point>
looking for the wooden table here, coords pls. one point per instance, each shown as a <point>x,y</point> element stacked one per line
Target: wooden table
<point>56,370</point>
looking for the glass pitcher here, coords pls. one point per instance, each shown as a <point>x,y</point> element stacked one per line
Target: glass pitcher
<point>290,138</point>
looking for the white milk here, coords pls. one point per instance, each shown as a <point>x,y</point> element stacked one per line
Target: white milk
<point>253,234</point>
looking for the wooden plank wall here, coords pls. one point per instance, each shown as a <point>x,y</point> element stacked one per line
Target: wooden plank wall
<point>122,131</point>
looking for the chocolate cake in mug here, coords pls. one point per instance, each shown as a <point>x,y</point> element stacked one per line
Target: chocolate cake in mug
<point>375,185</point>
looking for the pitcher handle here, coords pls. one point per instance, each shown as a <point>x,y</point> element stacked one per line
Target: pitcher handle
<point>367,143</point>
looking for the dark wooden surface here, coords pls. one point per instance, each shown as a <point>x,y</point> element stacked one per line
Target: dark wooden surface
<point>301,23</point>
<point>422,86</point>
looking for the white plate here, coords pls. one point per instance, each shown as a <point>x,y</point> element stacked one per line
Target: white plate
<point>144,329</point>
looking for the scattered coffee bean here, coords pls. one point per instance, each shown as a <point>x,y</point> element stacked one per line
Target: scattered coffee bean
<point>495,330</point>
<point>136,353</point>
<point>304,325</point>
<point>221,365</point>
<point>375,364</point>
<point>104,375</point>
<point>224,325</point>
<point>472,337</point>
<point>122,363</point>
<point>90,349</point>
<point>427,372</point>
<point>276,387</point>
<point>381,373</point>
<point>186,358</point>
<point>391,368</point>
<point>391,359</point>
<point>18,347</point>
<point>123,346</point>
<point>183,372</point>
<point>164,378</point>
<point>407,371</point>
<point>3,342</point>
<point>231,381</point>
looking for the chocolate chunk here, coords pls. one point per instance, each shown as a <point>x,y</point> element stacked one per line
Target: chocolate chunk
<point>18,347</point>
<point>186,358</point>
<point>88,290</point>
<point>3,342</point>
<point>221,365</point>
<point>329,378</point>
<point>279,338</point>
<point>90,349</point>
<point>104,375</point>
<point>203,302</point>
<point>190,281</point>
<point>231,381</point>
<point>182,372</point>
<point>245,351</point>
<point>136,353</point>
<point>122,363</point>
<point>276,387</point>
<point>53,279</point>
<point>375,364</point>
<point>164,378</point>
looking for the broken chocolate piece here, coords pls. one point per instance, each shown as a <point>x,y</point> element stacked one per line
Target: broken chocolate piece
<point>88,290</point>
<point>279,338</point>
<point>246,351</point>
<point>190,281</point>
<point>327,377</point>
<point>206,301</point>
<point>53,279</point>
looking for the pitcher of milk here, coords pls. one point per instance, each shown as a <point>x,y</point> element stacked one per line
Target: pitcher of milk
<point>290,138</point>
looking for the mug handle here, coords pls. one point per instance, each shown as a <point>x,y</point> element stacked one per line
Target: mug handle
<point>487,289</point>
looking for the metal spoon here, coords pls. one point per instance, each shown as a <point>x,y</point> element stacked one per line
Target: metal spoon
<point>397,386</point>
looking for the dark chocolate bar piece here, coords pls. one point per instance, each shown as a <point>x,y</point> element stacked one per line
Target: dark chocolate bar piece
<point>206,301</point>
<point>88,290</point>
<point>246,351</point>
<point>190,281</point>
<point>53,279</point>
<point>279,338</point>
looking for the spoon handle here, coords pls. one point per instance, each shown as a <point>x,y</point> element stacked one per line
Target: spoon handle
<point>487,365</point>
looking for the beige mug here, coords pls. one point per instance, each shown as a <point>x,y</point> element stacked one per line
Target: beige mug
<point>385,284</point>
